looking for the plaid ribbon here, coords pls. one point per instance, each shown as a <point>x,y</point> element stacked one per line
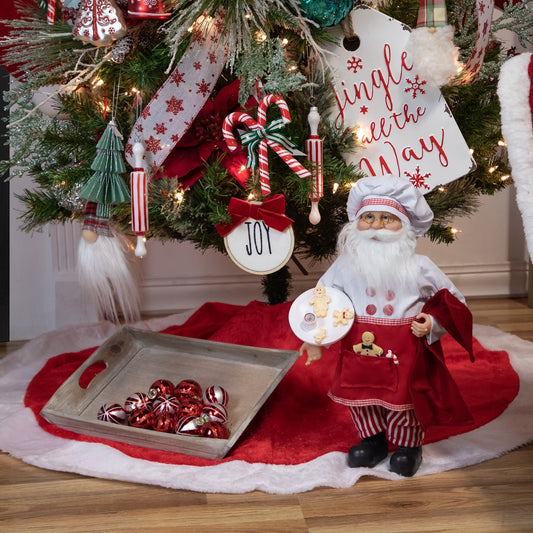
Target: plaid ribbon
<point>432,13</point>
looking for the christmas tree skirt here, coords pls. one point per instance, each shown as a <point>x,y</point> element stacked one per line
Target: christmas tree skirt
<point>297,441</point>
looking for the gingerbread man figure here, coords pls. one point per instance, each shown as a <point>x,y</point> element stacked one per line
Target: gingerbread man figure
<point>320,301</point>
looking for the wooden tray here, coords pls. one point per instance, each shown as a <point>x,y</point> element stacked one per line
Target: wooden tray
<point>136,358</point>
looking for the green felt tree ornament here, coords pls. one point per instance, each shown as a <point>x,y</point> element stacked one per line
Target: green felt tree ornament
<point>106,186</point>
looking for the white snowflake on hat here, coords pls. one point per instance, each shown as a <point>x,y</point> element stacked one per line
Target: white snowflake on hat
<point>515,91</point>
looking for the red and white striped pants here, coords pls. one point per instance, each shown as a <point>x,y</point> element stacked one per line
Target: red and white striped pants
<point>402,427</point>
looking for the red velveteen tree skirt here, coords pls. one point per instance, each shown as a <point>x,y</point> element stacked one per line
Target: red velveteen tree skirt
<point>298,423</point>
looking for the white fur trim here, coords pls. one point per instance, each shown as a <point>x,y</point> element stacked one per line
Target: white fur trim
<point>517,128</point>
<point>434,55</point>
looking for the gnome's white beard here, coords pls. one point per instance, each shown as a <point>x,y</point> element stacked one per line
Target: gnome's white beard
<point>382,259</point>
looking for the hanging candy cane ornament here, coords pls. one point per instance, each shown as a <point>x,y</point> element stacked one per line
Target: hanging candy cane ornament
<point>262,135</point>
<point>51,11</point>
<point>314,149</point>
<point>139,200</point>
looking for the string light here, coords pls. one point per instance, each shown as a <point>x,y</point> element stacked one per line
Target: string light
<point>455,231</point>
<point>502,143</point>
<point>504,178</point>
<point>441,189</point>
<point>492,169</point>
<point>335,187</point>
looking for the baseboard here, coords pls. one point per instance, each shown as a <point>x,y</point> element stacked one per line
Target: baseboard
<point>182,293</point>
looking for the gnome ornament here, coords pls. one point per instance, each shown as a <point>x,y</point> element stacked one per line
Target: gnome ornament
<point>103,264</point>
<point>431,46</point>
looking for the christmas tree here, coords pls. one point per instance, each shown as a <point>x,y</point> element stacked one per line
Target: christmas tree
<point>259,47</point>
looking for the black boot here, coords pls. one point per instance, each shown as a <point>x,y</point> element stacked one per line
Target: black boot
<point>369,452</point>
<point>405,461</point>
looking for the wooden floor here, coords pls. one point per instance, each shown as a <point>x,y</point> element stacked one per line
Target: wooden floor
<point>493,496</point>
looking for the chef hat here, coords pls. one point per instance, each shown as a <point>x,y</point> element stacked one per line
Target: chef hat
<point>393,195</point>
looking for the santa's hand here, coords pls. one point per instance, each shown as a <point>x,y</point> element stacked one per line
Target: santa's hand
<point>314,353</point>
<point>422,325</point>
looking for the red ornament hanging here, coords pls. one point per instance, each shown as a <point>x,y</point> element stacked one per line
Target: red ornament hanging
<point>150,9</point>
<point>139,200</point>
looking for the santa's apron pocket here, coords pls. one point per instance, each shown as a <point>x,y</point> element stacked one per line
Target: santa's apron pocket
<point>367,372</point>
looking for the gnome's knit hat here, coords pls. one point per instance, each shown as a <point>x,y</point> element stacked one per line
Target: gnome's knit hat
<point>392,195</point>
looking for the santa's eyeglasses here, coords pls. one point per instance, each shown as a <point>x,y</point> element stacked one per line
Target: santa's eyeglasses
<point>383,218</point>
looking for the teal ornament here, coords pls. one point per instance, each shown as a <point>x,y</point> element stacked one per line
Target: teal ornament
<point>326,12</point>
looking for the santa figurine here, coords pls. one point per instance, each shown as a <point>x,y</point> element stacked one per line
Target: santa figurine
<point>407,304</point>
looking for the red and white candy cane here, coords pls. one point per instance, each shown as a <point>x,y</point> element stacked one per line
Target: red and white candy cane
<point>314,149</point>
<point>139,200</point>
<point>51,11</point>
<point>265,137</point>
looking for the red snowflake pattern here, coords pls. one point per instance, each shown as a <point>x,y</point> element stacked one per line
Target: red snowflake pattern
<point>203,87</point>
<point>160,129</point>
<point>363,110</point>
<point>197,65</point>
<point>415,86</point>
<point>153,145</point>
<point>129,149</point>
<point>355,64</point>
<point>417,179</point>
<point>177,77</point>
<point>212,58</point>
<point>174,105</point>
<point>146,112</point>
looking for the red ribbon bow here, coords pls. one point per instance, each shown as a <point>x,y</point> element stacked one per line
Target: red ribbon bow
<point>271,211</point>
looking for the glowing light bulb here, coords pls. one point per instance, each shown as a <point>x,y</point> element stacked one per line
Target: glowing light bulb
<point>335,187</point>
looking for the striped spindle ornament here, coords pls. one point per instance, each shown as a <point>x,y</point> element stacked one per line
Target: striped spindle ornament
<point>314,149</point>
<point>139,200</point>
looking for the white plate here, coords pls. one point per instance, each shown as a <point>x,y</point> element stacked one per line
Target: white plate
<point>333,326</point>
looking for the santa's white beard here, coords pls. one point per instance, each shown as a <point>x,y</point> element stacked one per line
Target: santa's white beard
<point>382,259</point>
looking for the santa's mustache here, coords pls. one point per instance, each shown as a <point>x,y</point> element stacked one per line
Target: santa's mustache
<point>381,235</point>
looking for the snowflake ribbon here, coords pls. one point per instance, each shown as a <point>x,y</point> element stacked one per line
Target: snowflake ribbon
<point>485,9</point>
<point>262,136</point>
<point>178,101</point>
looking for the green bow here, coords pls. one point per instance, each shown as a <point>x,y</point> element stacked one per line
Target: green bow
<point>252,138</point>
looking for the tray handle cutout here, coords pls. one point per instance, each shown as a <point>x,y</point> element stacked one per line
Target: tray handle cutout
<point>90,373</point>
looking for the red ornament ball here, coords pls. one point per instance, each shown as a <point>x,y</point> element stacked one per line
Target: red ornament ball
<point>216,412</point>
<point>141,418</point>
<point>137,400</point>
<point>190,425</point>
<point>216,394</point>
<point>214,430</point>
<point>112,412</point>
<point>165,422</point>
<point>160,387</point>
<point>190,406</point>
<point>188,388</point>
<point>166,404</point>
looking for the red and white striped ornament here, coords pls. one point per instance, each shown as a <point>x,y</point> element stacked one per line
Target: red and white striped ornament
<point>139,200</point>
<point>216,394</point>
<point>268,138</point>
<point>166,404</point>
<point>190,425</point>
<point>315,154</point>
<point>113,413</point>
<point>136,401</point>
<point>51,11</point>
<point>216,412</point>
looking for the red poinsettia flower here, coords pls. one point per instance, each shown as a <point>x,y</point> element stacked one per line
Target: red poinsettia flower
<point>204,140</point>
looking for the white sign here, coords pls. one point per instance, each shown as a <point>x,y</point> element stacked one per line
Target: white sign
<point>404,123</point>
<point>258,248</point>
